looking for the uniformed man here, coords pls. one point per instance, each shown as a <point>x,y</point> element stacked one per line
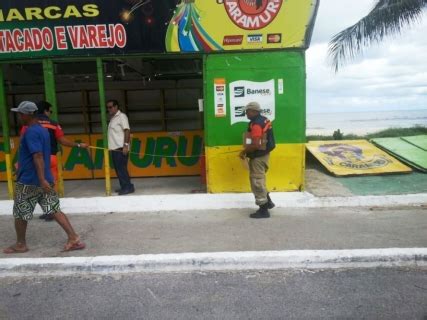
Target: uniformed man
<point>258,145</point>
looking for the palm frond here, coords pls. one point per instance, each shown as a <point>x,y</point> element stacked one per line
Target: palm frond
<point>388,17</point>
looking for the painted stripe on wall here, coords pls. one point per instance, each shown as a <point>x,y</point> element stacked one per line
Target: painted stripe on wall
<point>225,172</point>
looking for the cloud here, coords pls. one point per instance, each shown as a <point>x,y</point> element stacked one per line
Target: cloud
<point>334,16</point>
<point>388,76</point>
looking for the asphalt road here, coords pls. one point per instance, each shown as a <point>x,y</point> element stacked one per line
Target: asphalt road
<point>345,294</point>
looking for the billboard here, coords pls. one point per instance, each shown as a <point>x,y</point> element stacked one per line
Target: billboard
<point>50,28</point>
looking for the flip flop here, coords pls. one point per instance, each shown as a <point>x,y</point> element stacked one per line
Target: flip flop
<point>75,246</point>
<point>13,250</point>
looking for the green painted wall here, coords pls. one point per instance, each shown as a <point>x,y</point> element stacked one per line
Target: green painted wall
<point>290,122</point>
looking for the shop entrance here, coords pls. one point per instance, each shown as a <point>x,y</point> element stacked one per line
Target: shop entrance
<point>161,96</point>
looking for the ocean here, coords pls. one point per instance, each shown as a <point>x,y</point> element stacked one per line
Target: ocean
<point>364,122</point>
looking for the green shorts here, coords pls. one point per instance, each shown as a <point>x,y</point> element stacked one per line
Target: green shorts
<point>27,197</point>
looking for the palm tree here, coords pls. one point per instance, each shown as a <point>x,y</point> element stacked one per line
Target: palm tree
<point>388,17</point>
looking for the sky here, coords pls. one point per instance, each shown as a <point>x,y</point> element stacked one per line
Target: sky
<point>389,76</point>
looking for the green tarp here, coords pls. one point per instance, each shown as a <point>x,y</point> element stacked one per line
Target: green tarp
<point>419,141</point>
<point>405,151</point>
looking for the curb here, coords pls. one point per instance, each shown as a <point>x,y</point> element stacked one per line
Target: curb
<point>162,203</point>
<point>217,261</point>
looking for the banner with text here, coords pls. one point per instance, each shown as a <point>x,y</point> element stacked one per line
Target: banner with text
<point>152,154</point>
<point>49,28</point>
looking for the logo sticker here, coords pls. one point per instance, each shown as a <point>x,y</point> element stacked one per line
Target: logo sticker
<point>240,111</point>
<point>252,14</point>
<point>232,40</point>
<point>239,92</point>
<point>255,38</point>
<point>274,38</point>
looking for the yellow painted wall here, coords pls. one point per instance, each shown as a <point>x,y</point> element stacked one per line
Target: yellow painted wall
<point>225,172</point>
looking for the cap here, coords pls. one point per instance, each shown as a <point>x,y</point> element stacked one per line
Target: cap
<point>25,107</point>
<point>253,106</point>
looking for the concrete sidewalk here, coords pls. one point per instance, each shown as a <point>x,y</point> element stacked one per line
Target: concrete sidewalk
<point>227,231</point>
<point>170,224</point>
<point>223,240</point>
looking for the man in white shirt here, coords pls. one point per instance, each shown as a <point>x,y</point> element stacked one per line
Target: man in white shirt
<point>118,143</point>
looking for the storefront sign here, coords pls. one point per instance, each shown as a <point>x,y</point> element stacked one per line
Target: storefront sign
<point>152,154</point>
<point>242,92</point>
<point>194,26</point>
<point>48,28</point>
<point>252,14</point>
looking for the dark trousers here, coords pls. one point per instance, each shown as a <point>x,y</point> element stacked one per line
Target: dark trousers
<point>120,162</point>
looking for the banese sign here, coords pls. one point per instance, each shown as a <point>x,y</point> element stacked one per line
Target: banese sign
<point>242,92</point>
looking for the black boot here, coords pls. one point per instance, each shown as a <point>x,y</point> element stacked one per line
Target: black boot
<point>262,212</point>
<point>271,204</point>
